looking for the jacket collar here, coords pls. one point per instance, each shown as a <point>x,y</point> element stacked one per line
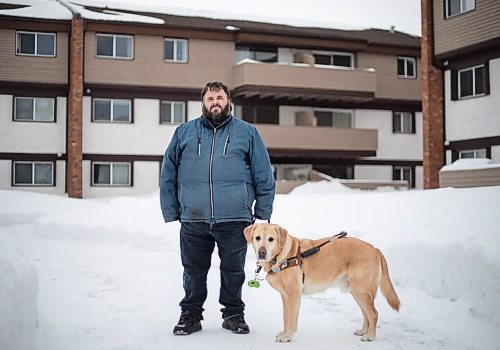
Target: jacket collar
<point>207,123</point>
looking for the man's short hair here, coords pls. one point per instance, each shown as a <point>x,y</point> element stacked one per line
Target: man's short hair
<point>215,86</point>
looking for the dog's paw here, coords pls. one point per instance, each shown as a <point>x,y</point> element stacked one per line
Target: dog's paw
<point>366,337</point>
<point>359,332</point>
<point>282,337</point>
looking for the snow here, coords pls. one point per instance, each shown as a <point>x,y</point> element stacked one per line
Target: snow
<point>43,9</point>
<point>470,164</point>
<point>106,273</point>
<point>345,14</point>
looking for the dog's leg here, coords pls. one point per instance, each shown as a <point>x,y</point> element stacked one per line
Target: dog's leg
<point>366,299</point>
<point>363,329</point>
<point>291,307</point>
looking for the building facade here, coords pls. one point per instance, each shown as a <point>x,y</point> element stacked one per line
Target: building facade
<point>462,41</point>
<point>88,103</point>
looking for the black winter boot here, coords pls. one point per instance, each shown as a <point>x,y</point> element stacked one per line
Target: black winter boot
<point>188,323</point>
<point>236,324</point>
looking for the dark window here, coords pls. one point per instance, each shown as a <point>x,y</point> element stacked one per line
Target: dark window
<point>260,114</point>
<point>111,174</point>
<point>261,54</point>
<point>456,7</point>
<point>472,81</point>
<point>407,67</point>
<point>339,118</point>
<point>404,173</point>
<point>176,50</point>
<point>33,173</point>
<point>112,110</point>
<point>34,109</point>
<point>338,59</point>
<point>172,112</point>
<point>114,46</point>
<point>36,44</point>
<point>403,122</point>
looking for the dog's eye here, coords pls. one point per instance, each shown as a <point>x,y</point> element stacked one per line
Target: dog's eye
<point>271,239</point>
<point>257,238</point>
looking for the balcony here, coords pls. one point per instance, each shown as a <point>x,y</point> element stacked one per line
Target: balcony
<point>304,82</point>
<point>303,142</point>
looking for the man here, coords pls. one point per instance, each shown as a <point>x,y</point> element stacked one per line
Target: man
<point>214,169</point>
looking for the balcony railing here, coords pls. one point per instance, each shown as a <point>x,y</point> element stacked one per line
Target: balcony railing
<point>249,77</point>
<point>327,142</point>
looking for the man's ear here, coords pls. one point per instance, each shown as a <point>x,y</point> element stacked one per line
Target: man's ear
<point>248,232</point>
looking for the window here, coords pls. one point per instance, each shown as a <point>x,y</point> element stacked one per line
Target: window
<point>172,112</point>
<point>340,118</point>
<point>36,44</point>
<point>176,50</point>
<point>337,59</point>
<point>114,46</point>
<point>33,174</point>
<point>471,81</point>
<point>34,109</point>
<point>111,174</point>
<point>473,153</point>
<point>407,67</point>
<point>261,54</point>
<point>456,7</point>
<point>403,173</point>
<point>403,122</point>
<point>258,114</point>
<point>112,110</point>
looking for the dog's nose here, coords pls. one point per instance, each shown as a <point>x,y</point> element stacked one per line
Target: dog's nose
<point>262,253</point>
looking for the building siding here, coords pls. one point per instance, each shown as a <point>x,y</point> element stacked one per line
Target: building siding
<point>455,33</point>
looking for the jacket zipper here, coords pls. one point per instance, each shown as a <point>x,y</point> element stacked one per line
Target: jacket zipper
<point>211,179</point>
<point>199,145</point>
<point>225,145</point>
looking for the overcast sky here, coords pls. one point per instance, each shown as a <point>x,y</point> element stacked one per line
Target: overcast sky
<point>342,14</point>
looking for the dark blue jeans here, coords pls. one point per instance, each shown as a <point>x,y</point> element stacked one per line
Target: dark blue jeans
<point>197,245</point>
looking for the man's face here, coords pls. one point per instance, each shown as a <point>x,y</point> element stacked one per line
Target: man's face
<point>216,105</point>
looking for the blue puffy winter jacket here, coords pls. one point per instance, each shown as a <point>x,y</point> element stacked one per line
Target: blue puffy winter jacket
<point>215,174</point>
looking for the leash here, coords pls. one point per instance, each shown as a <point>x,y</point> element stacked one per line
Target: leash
<point>296,260</point>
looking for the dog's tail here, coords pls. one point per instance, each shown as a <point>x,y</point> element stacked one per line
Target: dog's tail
<point>386,285</point>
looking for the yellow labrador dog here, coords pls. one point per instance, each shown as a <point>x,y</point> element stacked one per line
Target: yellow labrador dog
<point>303,266</point>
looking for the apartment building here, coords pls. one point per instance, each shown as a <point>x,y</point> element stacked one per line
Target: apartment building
<point>461,93</point>
<point>90,97</point>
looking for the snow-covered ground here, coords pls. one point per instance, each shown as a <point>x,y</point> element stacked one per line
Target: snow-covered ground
<point>106,274</point>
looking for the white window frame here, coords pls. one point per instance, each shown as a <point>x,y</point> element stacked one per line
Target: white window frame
<point>33,168</point>
<point>336,53</point>
<point>333,111</point>
<point>402,124</point>
<point>462,8</point>
<point>111,117</point>
<point>475,153</point>
<point>34,102</point>
<point>406,59</point>
<point>401,169</point>
<point>172,109</point>
<point>473,69</point>
<point>111,166</point>
<point>175,41</point>
<point>18,44</point>
<point>114,56</point>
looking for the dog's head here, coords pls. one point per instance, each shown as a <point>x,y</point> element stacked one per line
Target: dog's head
<point>267,240</point>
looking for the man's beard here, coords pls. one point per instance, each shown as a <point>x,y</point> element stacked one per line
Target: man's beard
<point>216,117</point>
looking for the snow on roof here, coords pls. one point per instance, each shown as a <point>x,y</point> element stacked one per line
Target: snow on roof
<point>44,9</point>
<point>109,15</point>
<point>470,164</point>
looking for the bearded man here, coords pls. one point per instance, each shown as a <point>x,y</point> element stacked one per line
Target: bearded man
<point>216,178</point>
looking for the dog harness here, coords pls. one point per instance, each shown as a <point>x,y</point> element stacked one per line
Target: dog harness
<point>297,260</point>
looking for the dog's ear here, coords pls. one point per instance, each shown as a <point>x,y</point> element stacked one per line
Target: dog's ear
<point>282,233</point>
<point>248,232</point>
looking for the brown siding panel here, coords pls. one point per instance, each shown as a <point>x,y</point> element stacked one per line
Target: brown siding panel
<point>20,68</point>
<point>388,83</point>
<point>455,32</point>
<point>208,60</point>
<point>470,178</point>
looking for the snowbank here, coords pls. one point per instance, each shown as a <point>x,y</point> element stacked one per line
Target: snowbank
<point>470,164</point>
<point>18,291</point>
